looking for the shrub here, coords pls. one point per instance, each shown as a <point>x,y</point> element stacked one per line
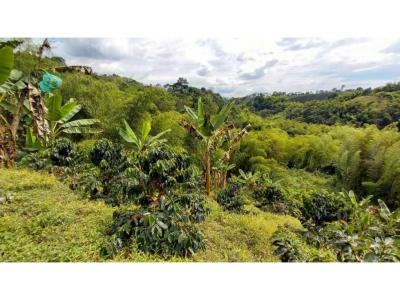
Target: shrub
<point>63,152</point>
<point>231,198</point>
<point>166,228</point>
<point>272,197</point>
<point>321,207</point>
<point>36,161</point>
<point>290,247</point>
<point>86,146</point>
<point>108,155</point>
<point>371,234</point>
<point>166,188</point>
<point>110,163</point>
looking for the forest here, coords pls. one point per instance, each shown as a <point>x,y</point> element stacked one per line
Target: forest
<point>105,168</point>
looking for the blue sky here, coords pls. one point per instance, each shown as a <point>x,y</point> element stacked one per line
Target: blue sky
<point>238,66</point>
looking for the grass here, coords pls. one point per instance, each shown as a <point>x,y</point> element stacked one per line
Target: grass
<point>45,221</point>
<point>241,237</point>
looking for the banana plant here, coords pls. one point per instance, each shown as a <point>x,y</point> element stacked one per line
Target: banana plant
<point>32,143</point>
<point>6,63</point>
<point>209,130</point>
<point>7,141</point>
<point>249,178</point>
<point>60,116</point>
<point>145,141</point>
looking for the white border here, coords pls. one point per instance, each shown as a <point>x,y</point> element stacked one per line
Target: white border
<point>206,18</point>
<point>199,281</point>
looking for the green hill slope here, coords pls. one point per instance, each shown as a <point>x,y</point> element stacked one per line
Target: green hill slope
<point>45,221</point>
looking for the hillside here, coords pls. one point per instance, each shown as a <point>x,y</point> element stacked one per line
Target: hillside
<point>380,106</point>
<point>105,168</point>
<point>45,221</point>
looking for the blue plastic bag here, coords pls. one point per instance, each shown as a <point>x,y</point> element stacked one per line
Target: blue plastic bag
<point>50,82</point>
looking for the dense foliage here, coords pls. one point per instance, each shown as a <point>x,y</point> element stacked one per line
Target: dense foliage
<point>321,207</point>
<point>161,156</point>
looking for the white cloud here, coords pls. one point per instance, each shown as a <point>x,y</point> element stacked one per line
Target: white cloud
<point>235,67</point>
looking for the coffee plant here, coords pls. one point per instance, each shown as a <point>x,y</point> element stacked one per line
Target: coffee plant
<point>232,198</point>
<point>167,228</point>
<point>321,207</point>
<point>63,152</point>
<point>272,197</point>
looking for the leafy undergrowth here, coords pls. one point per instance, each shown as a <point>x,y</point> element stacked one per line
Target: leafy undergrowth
<point>241,237</point>
<point>42,220</point>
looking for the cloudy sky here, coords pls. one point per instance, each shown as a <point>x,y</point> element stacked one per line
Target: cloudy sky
<point>236,67</point>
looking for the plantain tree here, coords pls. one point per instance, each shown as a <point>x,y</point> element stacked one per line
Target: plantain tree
<point>7,143</point>
<point>60,117</point>
<point>209,130</point>
<point>144,141</point>
<point>231,138</point>
<point>24,97</point>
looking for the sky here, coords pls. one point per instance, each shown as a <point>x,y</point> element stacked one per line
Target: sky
<point>238,66</point>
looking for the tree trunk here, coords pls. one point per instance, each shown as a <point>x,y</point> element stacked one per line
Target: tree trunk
<point>7,146</point>
<point>223,179</point>
<point>17,116</point>
<point>208,170</point>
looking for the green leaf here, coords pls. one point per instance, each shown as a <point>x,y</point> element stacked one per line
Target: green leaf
<point>352,198</point>
<point>156,137</point>
<point>6,63</point>
<point>365,201</point>
<point>29,137</point>
<point>396,215</point>
<point>146,127</point>
<point>8,106</point>
<point>128,134</point>
<point>149,219</point>
<point>81,130</point>
<point>370,257</point>
<point>32,143</point>
<point>162,225</point>
<point>53,104</point>
<point>70,109</point>
<point>220,118</point>
<point>200,113</point>
<point>385,211</point>
<point>191,113</point>
<point>182,238</point>
<point>80,123</point>
<point>15,75</point>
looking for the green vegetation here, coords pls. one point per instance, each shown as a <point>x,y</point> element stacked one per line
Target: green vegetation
<point>43,220</point>
<point>191,176</point>
<point>60,117</point>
